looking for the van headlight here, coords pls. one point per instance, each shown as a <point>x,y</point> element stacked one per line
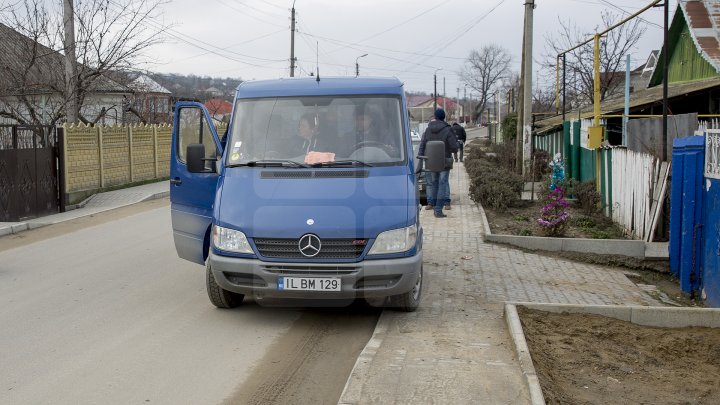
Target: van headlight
<point>230,240</point>
<point>395,241</point>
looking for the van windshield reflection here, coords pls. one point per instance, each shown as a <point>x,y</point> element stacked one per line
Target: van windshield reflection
<point>336,131</point>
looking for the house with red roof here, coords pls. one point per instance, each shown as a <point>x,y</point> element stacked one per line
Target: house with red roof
<point>218,108</point>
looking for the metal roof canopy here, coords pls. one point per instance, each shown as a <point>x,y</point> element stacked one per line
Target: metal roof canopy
<point>640,98</point>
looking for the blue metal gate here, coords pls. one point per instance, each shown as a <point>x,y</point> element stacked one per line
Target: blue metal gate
<point>711,220</point>
<point>686,211</point>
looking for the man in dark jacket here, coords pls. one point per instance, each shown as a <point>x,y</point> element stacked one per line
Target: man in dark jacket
<point>461,137</point>
<point>438,184</point>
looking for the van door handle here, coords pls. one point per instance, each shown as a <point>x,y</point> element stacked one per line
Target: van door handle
<point>176,181</point>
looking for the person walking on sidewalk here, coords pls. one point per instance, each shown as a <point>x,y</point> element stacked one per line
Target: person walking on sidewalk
<point>461,137</point>
<point>438,184</point>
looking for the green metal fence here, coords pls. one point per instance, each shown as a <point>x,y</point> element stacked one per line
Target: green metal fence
<point>580,162</point>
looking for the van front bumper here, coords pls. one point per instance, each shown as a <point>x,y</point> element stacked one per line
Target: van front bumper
<point>369,278</point>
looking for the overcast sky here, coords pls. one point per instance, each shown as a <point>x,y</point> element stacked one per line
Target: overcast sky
<point>408,39</point>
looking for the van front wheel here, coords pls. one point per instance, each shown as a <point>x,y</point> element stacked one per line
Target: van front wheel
<point>409,301</point>
<point>219,296</point>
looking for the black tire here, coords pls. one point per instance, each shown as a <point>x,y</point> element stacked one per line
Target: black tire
<point>410,301</point>
<point>219,296</point>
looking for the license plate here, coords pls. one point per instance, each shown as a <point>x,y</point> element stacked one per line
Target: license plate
<point>309,283</point>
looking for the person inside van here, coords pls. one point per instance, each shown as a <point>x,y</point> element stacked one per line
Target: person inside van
<point>306,137</point>
<point>371,131</point>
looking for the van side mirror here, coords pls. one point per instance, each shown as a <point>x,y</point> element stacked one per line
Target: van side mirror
<point>195,158</point>
<point>434,156</point>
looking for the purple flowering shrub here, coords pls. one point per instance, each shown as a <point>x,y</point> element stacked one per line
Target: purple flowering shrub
<point>554,215</point>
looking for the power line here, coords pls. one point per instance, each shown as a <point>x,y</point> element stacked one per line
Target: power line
<point>394,26</point>
<point>243,12</point>
<point>274,5</point>
<point>622,10</point>
<point>311,46</point>
<point>365,47</point>
<point>463,30</point>
<point>362,49</point>
<point>235,44</point>
<point>267,13</point>
<point>182,37</point>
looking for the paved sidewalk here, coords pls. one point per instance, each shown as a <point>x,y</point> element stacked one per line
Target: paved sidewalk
<point>95,204</point>
<point>455,349</point>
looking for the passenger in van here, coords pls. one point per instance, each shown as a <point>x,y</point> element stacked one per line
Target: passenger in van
<point>308,143</point>
<point>370,131</point>
<point>306,138</point>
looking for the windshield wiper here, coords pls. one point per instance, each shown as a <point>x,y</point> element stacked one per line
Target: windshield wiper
<point>349,162</point>
<point>270,163</point>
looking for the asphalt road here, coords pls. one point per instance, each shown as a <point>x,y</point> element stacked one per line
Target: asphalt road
<point>103,311</point>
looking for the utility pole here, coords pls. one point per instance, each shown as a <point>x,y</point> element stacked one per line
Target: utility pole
<point>527,84</point>
<point>457,106</point>
<point>444,93</point>
<point>71,95</point>
<point>664,143</point>
<point>512,99</point>
<point>435,89</point>
<point>435,92</point>
<point>357,64</point>
<point>626,112</point>
<point>292,40</point>
<point>519,108</point>
<point>464,103</point>
<point>508,106</point>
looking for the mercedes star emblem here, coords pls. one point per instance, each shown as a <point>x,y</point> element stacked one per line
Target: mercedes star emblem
<point>309,245</point>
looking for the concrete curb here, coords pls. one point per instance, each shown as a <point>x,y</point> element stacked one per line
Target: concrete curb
<point>523,353</point>
<point>632,248</point>
<point>39,223</point>
<point>486,225</point>
<point>353,386</point>
<point>663,317</point>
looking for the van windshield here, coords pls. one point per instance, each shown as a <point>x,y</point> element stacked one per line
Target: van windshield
<point>328,130</point>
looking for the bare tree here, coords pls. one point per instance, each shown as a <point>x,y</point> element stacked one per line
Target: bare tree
<point>484,71</point>
<point>111,35</point>
<point>579,62</point>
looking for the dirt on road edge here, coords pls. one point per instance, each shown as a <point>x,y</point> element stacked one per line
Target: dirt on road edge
<point>13,241</point>
<point>312,361</point>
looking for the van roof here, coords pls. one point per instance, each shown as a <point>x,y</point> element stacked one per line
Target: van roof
<point>309,86</point>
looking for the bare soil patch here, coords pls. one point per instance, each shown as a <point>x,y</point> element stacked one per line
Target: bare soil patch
<point>521,219</point>
<point>312,361</point>
<point>592,359</point>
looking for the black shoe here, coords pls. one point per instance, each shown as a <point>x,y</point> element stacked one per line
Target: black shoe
<point>440,215</point>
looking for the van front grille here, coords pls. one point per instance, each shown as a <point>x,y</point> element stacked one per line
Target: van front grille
<point>311,270</point>
<point>330,249</point>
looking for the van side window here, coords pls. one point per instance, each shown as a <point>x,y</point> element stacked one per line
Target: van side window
<point>194,129</point>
